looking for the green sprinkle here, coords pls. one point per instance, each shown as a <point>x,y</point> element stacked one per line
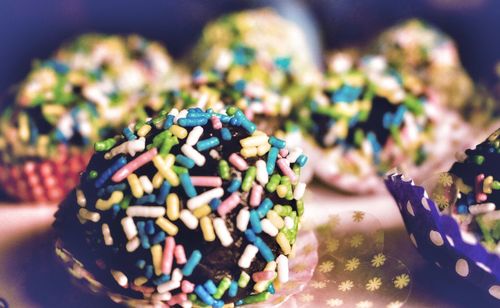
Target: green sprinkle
<point>93,174</point>
<point>249,178</point>
<point>231,110</point>
<point>105,145</point>
<point>273,183</point>
<point>222,287</point>
<point>179,170</point>
<point>224,170</point>
<point>256,298</point>
<point>125,202</point>
<point>243,280</point>
<point>283,210</point>
<point>300,207</point>
<point>495,185</point>
<point>479,159</point>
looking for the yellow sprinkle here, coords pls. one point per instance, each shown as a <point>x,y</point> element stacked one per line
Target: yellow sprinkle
<point>207,229</point>
<point>24,128</point>
<point>104,205</point>
<point>249,152</point>
<point>283,242</point>
<point>156,254</point>
<point>164,166</point>
<point>487,185</point>
<point>139,281</point>
<point>275,219</point>
<point>144,130</point>
<point>135,185</point>
<point>254,141</point>
<point>43,142</point>
<point>167,226</point>
<point>178,131</point>
<point>157,180</point>
<point>263,149</point>
<point>202,211</point>
<point>173,207</point>
<point>282,190</point>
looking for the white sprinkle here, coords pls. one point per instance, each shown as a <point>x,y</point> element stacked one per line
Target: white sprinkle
<point>282,268</point>
<point>222,232</point>
<point>174,112</point>
<point>146,184</point>
<point>145,211</point>
<point>294,154</point>
<point>88,215</point>
<point>189,219</point>
<point>242,220</point>
<point>182,114</point>
<point>80,198</point>
<point>205,198</point>
<point>106,233</point>
<point>129,227</point>
<point>190,152</point>
<point>268,227</point>
<point>481,208</point>
<point>248,254</point>
<point>168,286</point>
<point>187,304</point>
<point>120,278</point>
<point>131,147</point>
<point>133,244</point>
<point>161,297</point>
<point>288,222</point>
<point>194,135</point>
<point>262,175</point>
<point>299,191</point>
<point>214,154</point>
<point>177,274</point>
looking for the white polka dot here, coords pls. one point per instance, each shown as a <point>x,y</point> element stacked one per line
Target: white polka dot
<point>462,267</point>
<point>484,267</point>
<point>425,204</point>
<point>468,238</point>
<point>450,241</point>
<point>412,238</point>
<point>425,194</point>
<point>436,238</point>
<point>437,264</point>
<point>409,208</point>
<point>495,291</point>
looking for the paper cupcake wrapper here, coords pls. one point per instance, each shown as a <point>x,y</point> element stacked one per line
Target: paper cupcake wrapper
<point>353,268</point>
<point>43,181</point>
<point>438,238</point>
<point>302,265</point>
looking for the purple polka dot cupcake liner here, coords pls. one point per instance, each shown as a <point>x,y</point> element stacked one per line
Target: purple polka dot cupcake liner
<point>438,238</point>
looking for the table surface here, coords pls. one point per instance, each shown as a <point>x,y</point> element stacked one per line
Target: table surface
<point>31,276</point>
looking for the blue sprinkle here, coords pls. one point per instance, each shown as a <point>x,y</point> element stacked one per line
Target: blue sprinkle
<point>218,303</point>
<point>250,235</point>
<point>239,302</point>
<point>255,222</point>
<point>234,186</point>
<point>271,160</point>
<point>208,143</point>
<point>150,227</point>
<point>127,132</point>
<point>158,238</point>
<point>187,185</point>
<point>283,63</point>
<point>116,209</point>
<point>149,271</point>
<point>204,295</point>
<point>387,120</point>
<point>162,279</point>
<point>346,94</point>
<point>184,161</point>
<point>224,118</point>
<point>214,203</point>
<point>142,235</point>
<point>233,289</point>
<point>193,261</point>
<point>210,286</point>
<point>147,199</point>
<point>240,85</point>
<point>169,121</point>
<point>162,195</point>
<point>106,174</point>
<point>235,121</point>
<point>249,126</point>
<point>264,250</point>
<point>301,160</point>
<point>264,207</point>
<point>278,143</point>
<point>140,263</point>
<point>226,134</point>
<point>58,135</point>
<point>271,289</point>
<point>399,116</point>
<point>192,122</point>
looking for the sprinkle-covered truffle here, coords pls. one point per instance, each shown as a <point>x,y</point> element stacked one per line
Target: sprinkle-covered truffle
<point>470,192</point>
<point>86,91</point>
<point>205,210</point>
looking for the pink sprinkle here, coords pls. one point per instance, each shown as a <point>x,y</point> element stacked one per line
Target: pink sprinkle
<point>177,299</point>
<point>229,204</point>
<point>216,123</point>
<point>263,276</point>
<point>256,195</point>
<point>283,153</point>
<point>168,255</point>
<point>238,162</point>
<point>133,165</point>
<point>249,114</point>
<point>285,168</point>
<point>180,254</point>
<point>480,196</point>
<point>187,287</point>
<point>206,181</point>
